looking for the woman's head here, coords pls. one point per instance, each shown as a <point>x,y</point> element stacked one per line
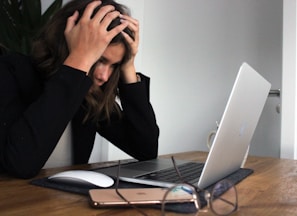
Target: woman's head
<point>50,47</point>
<point>50,51</point>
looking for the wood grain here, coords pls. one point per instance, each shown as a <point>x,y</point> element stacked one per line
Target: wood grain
<point>270,190</point>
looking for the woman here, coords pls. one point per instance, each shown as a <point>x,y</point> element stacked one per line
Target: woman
<point>82,60</point>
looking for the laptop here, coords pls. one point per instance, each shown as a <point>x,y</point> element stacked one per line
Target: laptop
<point>230,144</point>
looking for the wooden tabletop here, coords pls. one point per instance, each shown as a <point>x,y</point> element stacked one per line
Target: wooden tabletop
<point>270,190</point>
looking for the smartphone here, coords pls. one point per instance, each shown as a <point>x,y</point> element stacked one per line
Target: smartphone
<point>137,196</point>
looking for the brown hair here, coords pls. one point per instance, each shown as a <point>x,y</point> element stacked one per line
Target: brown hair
<point>50,50</point>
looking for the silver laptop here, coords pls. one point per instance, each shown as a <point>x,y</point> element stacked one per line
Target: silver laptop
<point>230,144</point>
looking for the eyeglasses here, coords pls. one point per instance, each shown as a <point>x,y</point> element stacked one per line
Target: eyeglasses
<point>221,200</point>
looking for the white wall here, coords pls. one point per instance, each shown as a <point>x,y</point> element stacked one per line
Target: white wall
<point>192,51</point>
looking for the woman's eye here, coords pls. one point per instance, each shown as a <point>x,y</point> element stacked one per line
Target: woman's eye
<point>115,65</point>
<point>100,61</point>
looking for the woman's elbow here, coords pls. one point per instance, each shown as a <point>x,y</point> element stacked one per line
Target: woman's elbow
<point>152,145</point>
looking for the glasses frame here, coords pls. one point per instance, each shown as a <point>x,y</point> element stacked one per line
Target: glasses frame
<point>121,195</point>
<point>209,196</point>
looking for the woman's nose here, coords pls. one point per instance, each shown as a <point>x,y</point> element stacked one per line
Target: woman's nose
<point>104,72</point>
<point>105,75</point>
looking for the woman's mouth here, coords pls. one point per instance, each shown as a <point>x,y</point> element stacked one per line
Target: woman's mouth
<point>98,82</point>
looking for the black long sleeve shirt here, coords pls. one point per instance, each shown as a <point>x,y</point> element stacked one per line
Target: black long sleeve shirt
<point>34,114</point>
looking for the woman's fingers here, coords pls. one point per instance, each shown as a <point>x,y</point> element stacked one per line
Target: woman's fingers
<point>88,12</point>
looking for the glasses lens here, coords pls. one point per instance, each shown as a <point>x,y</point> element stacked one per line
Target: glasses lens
<point>180,198</point>
<point>224,198</point>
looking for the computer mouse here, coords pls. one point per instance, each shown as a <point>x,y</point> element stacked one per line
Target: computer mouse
<point>85,177</point>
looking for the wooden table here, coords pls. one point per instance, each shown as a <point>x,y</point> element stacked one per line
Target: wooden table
<point>270,190</point>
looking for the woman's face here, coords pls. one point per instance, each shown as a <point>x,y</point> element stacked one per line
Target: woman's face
<point>104,67</point>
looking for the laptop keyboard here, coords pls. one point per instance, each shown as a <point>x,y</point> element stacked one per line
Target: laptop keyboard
<point>190,172</point>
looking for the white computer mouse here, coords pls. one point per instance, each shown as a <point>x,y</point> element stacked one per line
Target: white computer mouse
<point>83,177</point>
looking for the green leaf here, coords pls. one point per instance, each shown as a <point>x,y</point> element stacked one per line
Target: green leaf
<point>11,8</point>
<point>9,16</point>
<point>20,20</point>
<point>31,13</point>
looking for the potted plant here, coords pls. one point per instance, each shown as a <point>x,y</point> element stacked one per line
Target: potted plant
<point>21,20</point>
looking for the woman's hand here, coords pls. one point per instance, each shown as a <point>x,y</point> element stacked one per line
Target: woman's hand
<point>128,69</point>
<point>88,38</point>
